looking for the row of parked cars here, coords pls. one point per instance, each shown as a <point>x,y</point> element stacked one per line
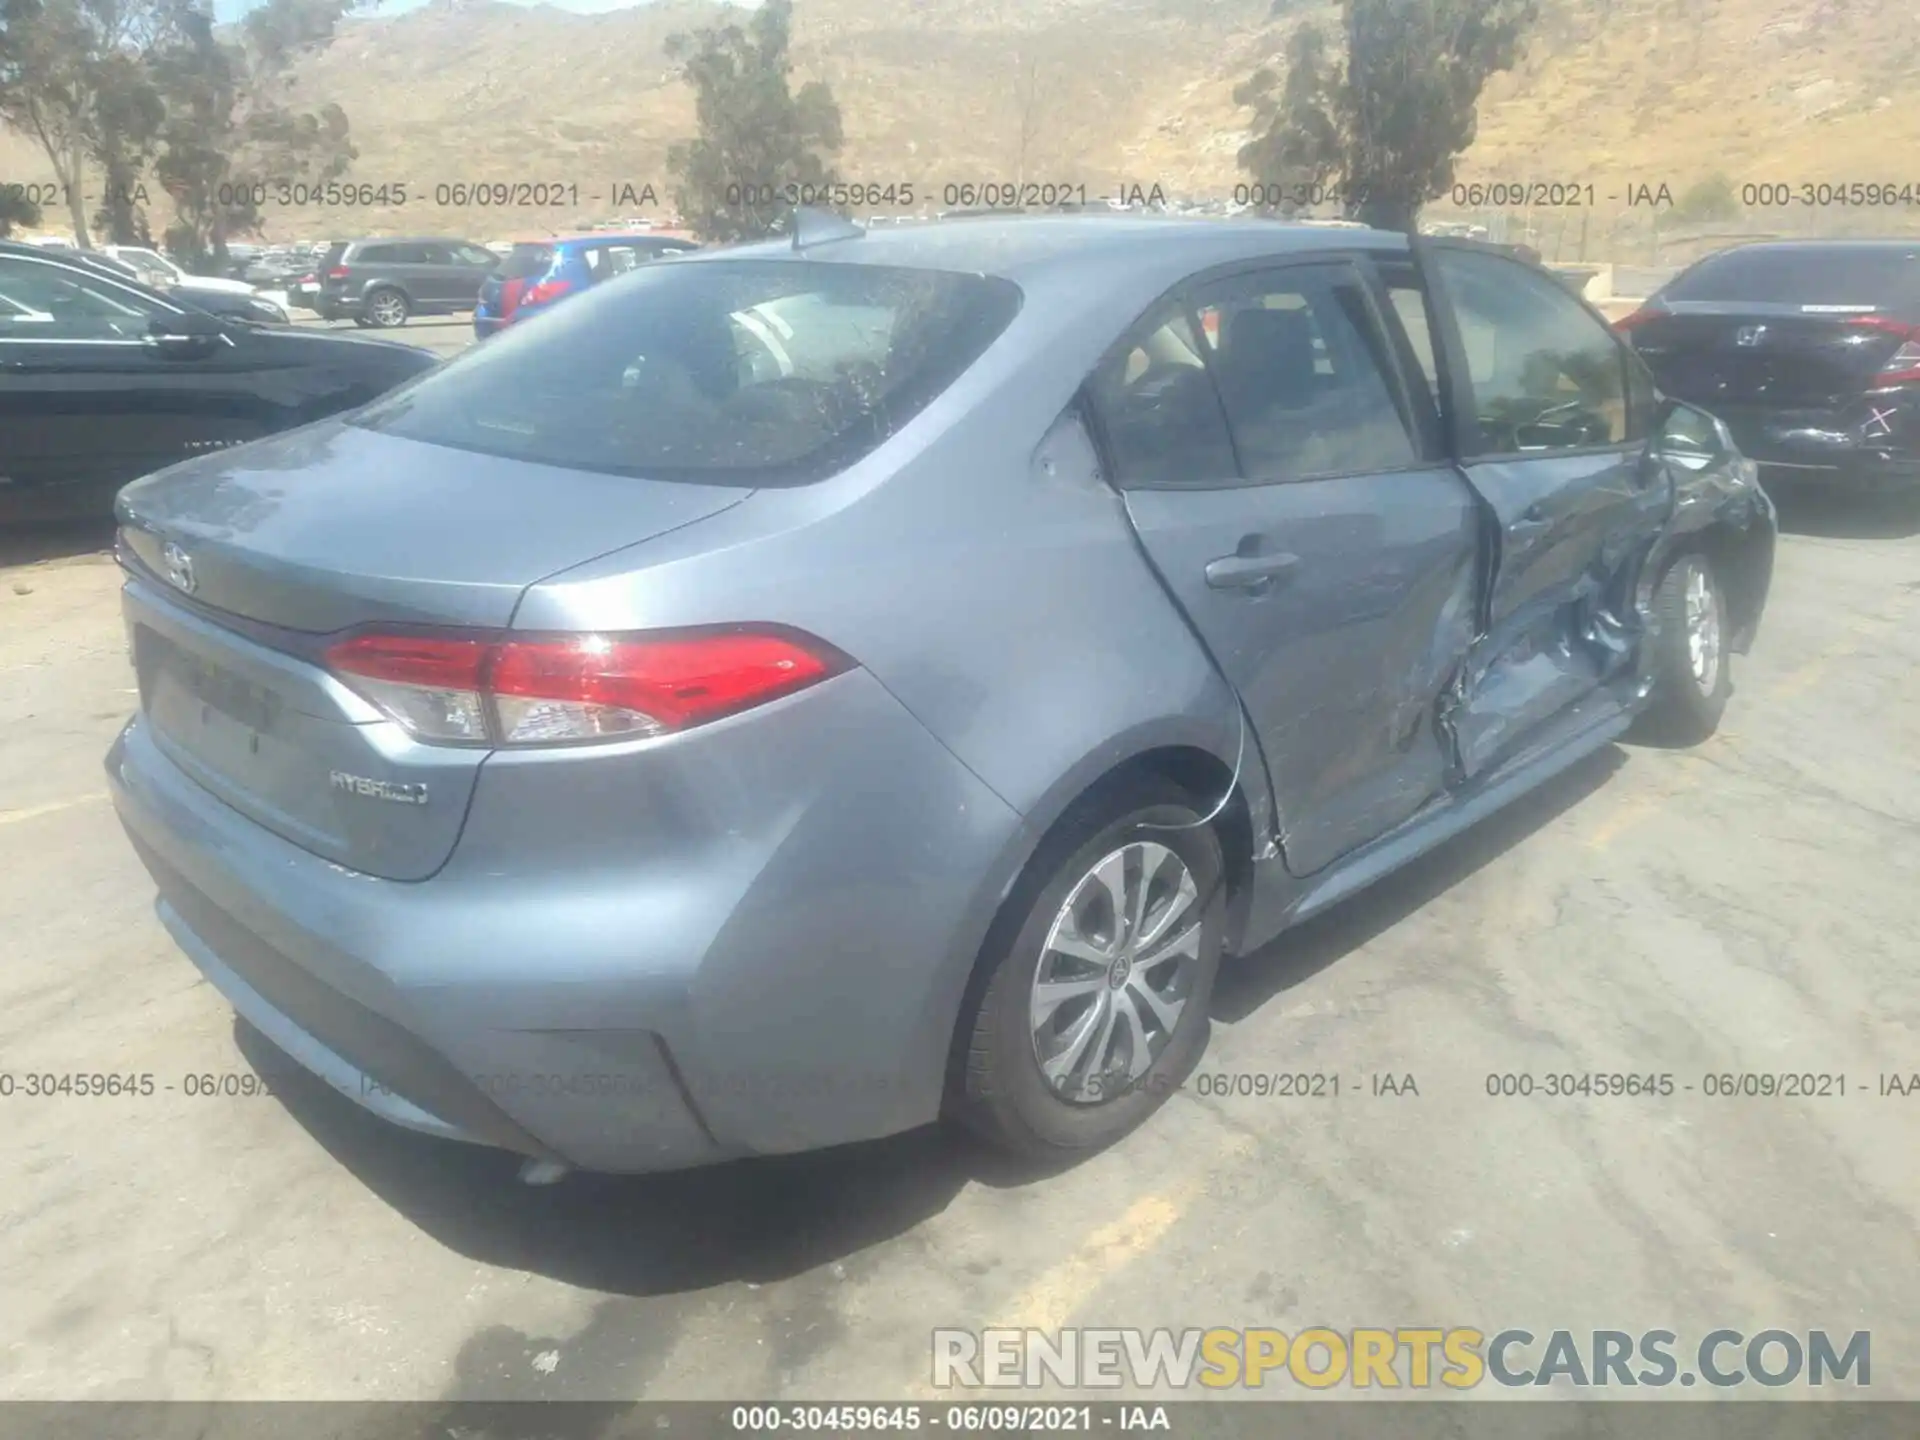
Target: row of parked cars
<point>382,283</point>
<point>805,690</point>
<point>116,362</point>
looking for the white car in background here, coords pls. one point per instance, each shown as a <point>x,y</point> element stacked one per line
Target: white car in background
<point>161,272</point>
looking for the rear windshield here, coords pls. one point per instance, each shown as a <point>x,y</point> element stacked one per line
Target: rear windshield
<point>526,261</point>
<point>732,372</point>
<point>1805,277</point>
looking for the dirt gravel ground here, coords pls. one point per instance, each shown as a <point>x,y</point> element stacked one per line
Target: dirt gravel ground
<point>1749,906</point>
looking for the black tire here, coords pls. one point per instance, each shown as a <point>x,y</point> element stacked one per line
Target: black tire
<point>999,1091</point>
<point>1684,710</point>
<point>385,297</point>
<point>363,322</point>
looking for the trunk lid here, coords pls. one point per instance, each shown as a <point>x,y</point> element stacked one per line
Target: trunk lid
<point>242,564</point>
<point>334,526</point>
<point>1750,353</point>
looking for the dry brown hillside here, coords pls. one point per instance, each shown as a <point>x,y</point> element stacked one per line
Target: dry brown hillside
<point>1613,93</point>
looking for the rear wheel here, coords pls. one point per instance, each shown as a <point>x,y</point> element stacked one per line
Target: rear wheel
<point>1094,1007</point>
<point>1692,676</point>
<point>386,308</point>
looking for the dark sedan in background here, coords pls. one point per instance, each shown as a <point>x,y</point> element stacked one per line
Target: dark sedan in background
<point>103,380</point>
<point>1809,351</point>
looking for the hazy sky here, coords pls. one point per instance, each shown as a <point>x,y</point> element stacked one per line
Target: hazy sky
<point>225,10</point>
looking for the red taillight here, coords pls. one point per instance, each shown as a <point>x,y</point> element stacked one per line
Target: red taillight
<point>1638,318</point>
<point>548,290</point>
<point>338,272</point>
<point>1898,328</point>
<point>560,689</point>
<point>1903,366</point>
<point>431,685</point>
<point>411,660</point>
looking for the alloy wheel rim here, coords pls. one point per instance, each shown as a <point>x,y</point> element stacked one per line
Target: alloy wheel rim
<point>1703,629</point>
<point>387,310</point>
<point>1115,973</point>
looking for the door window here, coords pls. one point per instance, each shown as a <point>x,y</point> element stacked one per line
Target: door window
<point>1304,373</point>
<point>1159,410</point>
<point>1544,373</point>
<point>606,261</point>
<point>52,302</point>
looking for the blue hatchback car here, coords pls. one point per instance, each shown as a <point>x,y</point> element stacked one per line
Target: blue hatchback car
<point>541,273</point>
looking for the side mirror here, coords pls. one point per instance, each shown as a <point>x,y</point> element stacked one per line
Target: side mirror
<point>190,333</point>
<point>1690,438</point>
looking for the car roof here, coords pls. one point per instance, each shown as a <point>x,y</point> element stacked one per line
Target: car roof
<point>1817,247</point>
<point>404,240</point>
<point>1027,248</point>
<point>603,237</point>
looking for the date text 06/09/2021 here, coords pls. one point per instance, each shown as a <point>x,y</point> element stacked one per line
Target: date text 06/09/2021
<point>973,1419</point>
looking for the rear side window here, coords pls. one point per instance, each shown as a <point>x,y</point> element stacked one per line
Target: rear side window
<point>1159,411</point>
<point>1303,371</point>
<point>733,373</point>
<point>1839,275</point>
<point>396,254</point>
<point>524,262</point>
<point>606,261</point>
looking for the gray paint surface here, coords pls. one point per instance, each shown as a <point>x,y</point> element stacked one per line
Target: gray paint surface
<point>765,924</point>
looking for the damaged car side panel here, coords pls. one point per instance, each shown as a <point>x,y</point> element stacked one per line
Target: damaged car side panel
<point>1550,424</point>
<point>1581,504</point>
<point>1562,618</point>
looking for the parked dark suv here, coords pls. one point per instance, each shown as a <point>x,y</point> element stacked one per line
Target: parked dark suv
<point>380,283</point>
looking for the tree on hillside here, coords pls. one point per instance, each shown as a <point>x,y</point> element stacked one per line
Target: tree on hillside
<point>114,87</point>
<point>1714,198</point>
<point>45,89</point>
<point>80,88</point>
<point>757,136</point>
<point>16,207</point>
<point>1386,117</point>
<point>1030,96</point>
<point>230,135</point>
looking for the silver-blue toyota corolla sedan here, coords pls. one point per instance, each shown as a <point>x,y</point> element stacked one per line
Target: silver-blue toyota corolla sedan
<point>805,690</point>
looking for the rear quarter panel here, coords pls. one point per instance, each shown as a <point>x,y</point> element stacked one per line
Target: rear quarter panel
<point>981,570</point>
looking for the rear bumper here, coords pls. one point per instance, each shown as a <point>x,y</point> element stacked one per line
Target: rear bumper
<point>1870,473</point>
<point>1872,444</point>
<point>765,954</point>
